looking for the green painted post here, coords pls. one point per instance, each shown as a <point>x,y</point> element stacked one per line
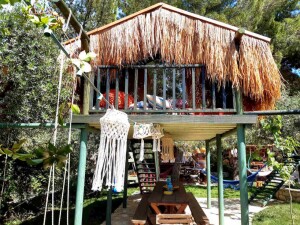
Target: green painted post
<point>108,206</point>
<point>81,177</point>
<point>126,180</point>
<point>220,180</point>
<point>208,174</point>
<point>243,174</point>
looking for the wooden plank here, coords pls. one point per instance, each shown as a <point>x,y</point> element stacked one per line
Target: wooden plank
<point>193,88</point>
<point>91,103</point>
<point>203,87</point>
<point>117,91</point>
<point>107,87</point>
<point>183,88</point>
<point>178,119</point>
<point>196,210</point>
<point>136,77</point>
<point>174,89</point>
<point>164,89</point>
<point>99,88</point>
<point>140,215</point>
<point>145,88</point>
<point>178,66</point>
<point>126,88</point>
<point>154,87</point>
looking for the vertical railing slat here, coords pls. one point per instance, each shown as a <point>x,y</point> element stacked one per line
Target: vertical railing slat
<point>213,84</point>
<point>223,97</point>
<point>145,88</point>
<point>183,88</point>
<point>136,77</point>
<point>193,88</point>
<point>203,87</point>
<point>164,89</point>
<point>233,98</point>
<point>98,86</point>
<point>107,87</point>
<point>154,88</point>
<point>174,89</point>
<point>117,90</point>
<point>126,89</point>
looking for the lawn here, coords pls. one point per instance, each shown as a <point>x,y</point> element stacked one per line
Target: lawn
<point>277,214</point>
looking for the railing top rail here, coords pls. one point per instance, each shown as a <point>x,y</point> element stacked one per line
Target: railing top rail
<point>149,66</point>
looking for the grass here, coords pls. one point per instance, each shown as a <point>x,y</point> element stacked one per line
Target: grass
<point>277,214</point>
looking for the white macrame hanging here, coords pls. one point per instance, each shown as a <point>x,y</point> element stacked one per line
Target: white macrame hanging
<point>110,168</point>
<point>157,134</point>
<point>167,148</point>
<point>141,131</point>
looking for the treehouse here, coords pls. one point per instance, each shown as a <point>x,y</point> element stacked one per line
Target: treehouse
<point>192,75</point>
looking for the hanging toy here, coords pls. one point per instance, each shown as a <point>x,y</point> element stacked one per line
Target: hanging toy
<point>167,148</point>
<point>112,150</point>
<point>141,131</point>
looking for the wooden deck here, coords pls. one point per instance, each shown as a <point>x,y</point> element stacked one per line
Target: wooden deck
<point>181,127</point>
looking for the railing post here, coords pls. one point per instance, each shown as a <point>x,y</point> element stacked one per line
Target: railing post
<point>126,178</point>
<point>81,177</point>
<point>208,174</point>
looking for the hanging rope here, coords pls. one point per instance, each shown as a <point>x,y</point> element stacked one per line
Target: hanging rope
<point>67,165</point>
<point>54,141</point>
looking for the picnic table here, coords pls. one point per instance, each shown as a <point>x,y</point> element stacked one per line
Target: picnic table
<point>174,203</point>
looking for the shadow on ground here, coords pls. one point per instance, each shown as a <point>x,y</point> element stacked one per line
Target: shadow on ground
<point>93,214</point>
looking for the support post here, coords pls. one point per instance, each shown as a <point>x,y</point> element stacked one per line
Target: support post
<point>108,206</point>
<point>208,184</point>
<point>243,174</point>
<point>156,161</point>
<point>126,179</point>
<point>220,180</point>
<point>86,85</point>
<point>81,177</point>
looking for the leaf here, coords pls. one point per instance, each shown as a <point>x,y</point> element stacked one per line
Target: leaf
<point>34,162</point>
<point>34,19</point>
<point>60,120</point>
<point>79,72</point>
<point>8,152</point>
<point>86,67</point>
<point>75,109</point>
<point>65,150</point>
<point>51,148</point>
<point>76,62</point>
<point>45,20</point>
<point>90,56</point>
<point>82,55</point>
<point>18,145</point>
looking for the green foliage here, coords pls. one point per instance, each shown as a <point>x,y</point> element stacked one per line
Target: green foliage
<point>50,155</point>
<point>277,214</point>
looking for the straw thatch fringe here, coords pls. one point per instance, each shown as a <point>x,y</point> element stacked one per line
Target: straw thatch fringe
<point>179,39</point>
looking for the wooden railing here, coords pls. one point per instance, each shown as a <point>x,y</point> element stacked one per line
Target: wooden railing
<point>182,89</point>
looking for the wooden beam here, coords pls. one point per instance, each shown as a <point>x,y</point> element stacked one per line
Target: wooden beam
<point>65,10</point>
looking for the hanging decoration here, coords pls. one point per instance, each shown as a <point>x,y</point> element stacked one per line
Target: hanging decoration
<point>141,131</point>
<point>157,134</point>
<point>112,151</point>
<point>167,148</point>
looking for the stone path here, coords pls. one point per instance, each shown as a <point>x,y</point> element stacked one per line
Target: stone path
<point>232,211</point>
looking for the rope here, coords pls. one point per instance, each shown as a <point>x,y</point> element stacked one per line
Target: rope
<point>54,141</point>
<point>67,166</point>
<point>66,25</point>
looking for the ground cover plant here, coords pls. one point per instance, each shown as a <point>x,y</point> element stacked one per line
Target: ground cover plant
<point>277,214</point>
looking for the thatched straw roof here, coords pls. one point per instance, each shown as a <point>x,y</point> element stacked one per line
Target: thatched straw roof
<point>181,37</point>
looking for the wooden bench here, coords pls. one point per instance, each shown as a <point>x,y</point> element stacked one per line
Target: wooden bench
<point>196,210</point>
<point>140,215</point>
<point>174,219</point>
